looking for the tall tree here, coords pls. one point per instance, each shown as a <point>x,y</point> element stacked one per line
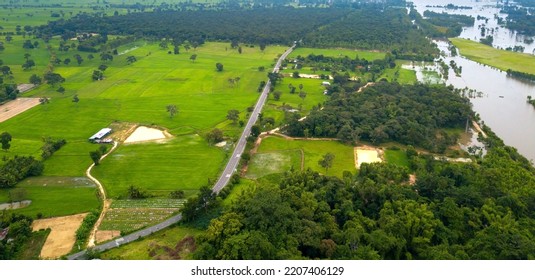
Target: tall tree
<point>5,139</point>
<point>233,115</point>
<point>172,110</point>
<point>193,57</point>
<point>327,161</point>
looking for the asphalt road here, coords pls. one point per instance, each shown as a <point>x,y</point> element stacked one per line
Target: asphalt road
<point>240,146</point>
<point>220,184</point>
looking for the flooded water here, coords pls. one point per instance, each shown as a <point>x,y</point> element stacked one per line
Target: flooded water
<point>503,37</point>
<point>501,101</point>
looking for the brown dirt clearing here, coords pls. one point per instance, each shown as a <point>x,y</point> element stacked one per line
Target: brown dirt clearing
<point>143,134</point>
<point>105,235</point>
<point>62,235</point>
<point>15,107</point>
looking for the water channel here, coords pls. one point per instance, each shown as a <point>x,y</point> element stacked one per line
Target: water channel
<point>502,103</point>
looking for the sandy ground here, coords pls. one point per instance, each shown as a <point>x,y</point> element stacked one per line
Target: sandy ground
<point>62,235</point>
<point>366,154</point>
<point>105,235</point>
<point>221,144</point>
<point>15,107</point>
<point>15,205</point>
<point>144,133</point>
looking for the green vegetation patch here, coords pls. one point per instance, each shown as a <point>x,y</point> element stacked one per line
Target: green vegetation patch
<point>263,164</point>
<point>183,163</point>
<point>52,201</point>
<point>131,219</point>
<point>313,151</point>
<point>339,53</point>
<point>398,157</point>
<point>140,249</point>
<point>501,59</point>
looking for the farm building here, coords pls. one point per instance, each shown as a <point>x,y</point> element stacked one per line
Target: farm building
<point>97,137</point>
<point>325,84</point>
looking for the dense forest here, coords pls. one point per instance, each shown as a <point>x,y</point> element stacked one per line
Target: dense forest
<point>363,26</point>
<point>409,114</point>
<point>271,26</point>
<point>389,29</point>
<point>483,210</point>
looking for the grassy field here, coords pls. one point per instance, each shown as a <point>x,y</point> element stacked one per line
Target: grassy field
<point>184,163</point>
<point>52,201</point>
<point>398,157</point>
<point>139,250</point>
<point>368,55</point>
<point>312,87</point>
<point>497,58</point>
<point>402,76</point>
<point>313,151</point>
<point>263,164</point>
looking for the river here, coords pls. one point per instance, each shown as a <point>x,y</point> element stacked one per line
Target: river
<point>503,37</point>
<point>501,103</point>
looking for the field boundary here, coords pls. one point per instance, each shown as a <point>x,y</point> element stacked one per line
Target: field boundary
<point>105,202</point>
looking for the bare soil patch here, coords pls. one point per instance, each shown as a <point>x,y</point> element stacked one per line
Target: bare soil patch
<point>62,235</point>
<point>143,134</point>
<point>25,87</point>
<point>105,235</point>
<point>366,155</point>
<point>15,107</point>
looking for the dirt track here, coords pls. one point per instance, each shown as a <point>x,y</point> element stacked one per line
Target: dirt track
<point>15,107</point>
<point>62,237</point>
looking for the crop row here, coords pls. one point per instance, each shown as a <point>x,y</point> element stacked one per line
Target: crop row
<point>131,219</point>
<point>148,203</point>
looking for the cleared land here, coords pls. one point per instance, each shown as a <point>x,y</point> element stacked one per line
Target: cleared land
<point>500,59</point>
<point>263,164</point>
<point>145,249</point>
<point>366,155</point>
<point>144,133</point>
<point>62,235</point>
<point>313,151</point>
<point>17,106</point>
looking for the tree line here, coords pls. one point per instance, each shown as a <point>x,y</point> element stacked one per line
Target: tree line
<point>364,26</point>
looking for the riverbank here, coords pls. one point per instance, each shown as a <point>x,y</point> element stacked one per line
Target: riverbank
<point>500,59</point>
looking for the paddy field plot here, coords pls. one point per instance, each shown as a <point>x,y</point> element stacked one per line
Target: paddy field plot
<point>313,151</point>
<point>53,196</point>
<point>183,163</point>
<point>338,53</point>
